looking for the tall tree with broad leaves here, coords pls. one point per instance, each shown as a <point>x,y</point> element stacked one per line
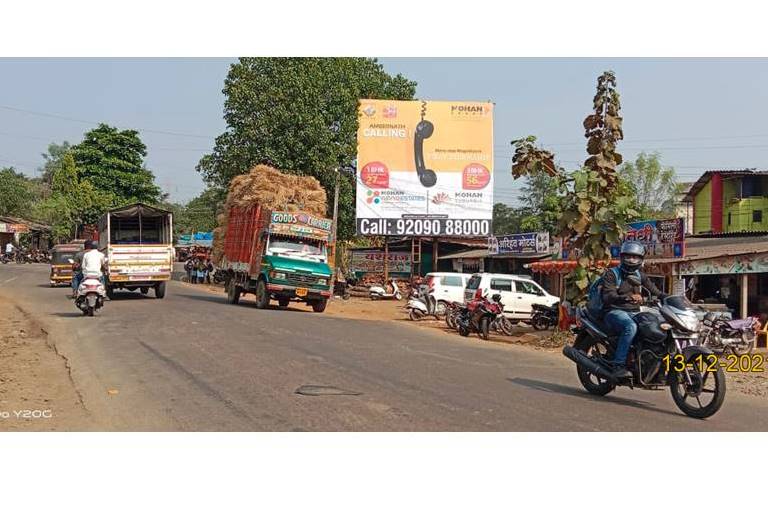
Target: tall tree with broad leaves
<point>298,115</point>
<point>597,204</point>
<point>16,193</point>
<point>112,161</point>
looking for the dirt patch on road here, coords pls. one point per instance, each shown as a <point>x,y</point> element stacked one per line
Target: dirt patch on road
<point>36,392</point>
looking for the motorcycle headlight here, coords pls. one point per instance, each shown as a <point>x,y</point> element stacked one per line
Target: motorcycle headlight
<point>691,323</point>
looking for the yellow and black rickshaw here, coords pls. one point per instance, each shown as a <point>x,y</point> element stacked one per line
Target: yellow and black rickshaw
<point>61,268</point>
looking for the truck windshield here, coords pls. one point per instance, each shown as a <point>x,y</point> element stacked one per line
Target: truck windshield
<point>297,248</point>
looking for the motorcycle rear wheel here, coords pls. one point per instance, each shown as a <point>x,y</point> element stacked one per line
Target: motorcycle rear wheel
<point>414,314</point>
<point>539,322</point>
<point>682,392</point>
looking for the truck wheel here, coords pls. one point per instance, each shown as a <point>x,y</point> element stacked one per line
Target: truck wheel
<point>233,292</point>
<point>283,303</point>
<point>319,305</point>
<point>262,296</point>
<point>160,290</point>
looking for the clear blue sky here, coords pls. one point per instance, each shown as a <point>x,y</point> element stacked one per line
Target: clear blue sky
<point>699,114</point>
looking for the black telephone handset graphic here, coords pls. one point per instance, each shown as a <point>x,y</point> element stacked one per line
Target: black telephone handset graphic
<point>424,130</point>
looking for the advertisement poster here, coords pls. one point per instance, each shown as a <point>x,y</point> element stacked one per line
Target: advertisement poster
<point>373,262</point>
<point>662,238</point>
<point>424,168</point>
<point>522,243</point>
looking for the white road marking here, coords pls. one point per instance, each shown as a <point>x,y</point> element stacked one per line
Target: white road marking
<point>11,279</point>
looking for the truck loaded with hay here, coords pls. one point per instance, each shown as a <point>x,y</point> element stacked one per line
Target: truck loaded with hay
<point>273,239</point>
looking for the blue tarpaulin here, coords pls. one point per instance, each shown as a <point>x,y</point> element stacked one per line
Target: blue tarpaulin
<point>196,239</point>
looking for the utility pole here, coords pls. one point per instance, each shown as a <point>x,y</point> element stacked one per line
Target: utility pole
<point>335,219</point>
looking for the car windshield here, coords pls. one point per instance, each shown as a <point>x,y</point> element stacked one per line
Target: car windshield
<point>296,247</point>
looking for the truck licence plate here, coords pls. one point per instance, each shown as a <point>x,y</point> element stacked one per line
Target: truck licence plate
<point>301,292</point>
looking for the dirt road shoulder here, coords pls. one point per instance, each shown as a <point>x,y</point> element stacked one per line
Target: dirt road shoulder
<point>36,391</point>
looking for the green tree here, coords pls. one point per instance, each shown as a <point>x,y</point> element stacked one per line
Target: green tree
<point>542,197</point>
<point>654,186</point>
<point>53,159</point>
<point>199,214</point>
<point>16,193</point>
<point>507,219</point>
<point>113,162</point>
<point>298,115</point>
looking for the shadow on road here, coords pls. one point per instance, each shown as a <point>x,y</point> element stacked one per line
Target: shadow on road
<point>68,314</point>
<point>555,388</point>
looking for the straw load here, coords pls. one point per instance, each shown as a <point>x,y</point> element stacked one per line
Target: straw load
<point>276,191</point>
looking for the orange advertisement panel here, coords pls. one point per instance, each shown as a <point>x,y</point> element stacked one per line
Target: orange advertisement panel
<point>424,168</point>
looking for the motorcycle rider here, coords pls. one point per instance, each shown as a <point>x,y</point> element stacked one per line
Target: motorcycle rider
<point>622,301</point>
<point>92,263</point>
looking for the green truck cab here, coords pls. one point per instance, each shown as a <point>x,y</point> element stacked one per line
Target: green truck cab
<point>277,255</point>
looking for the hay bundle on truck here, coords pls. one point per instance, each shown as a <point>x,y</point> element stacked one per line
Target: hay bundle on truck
<point>273,240</point>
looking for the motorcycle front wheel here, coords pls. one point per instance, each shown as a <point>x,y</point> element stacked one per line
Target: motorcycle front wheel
<point>414,314</point>
<point>539,322</point>
<point>698,390</point>
<point>485,326</point>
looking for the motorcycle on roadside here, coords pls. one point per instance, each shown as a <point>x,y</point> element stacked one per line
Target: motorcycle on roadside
<point>725,335</point>
<point>544,317</point>
<point>665,354</point>
<point>479,315</point>
<point>377,292</point>
<point>421,303</point>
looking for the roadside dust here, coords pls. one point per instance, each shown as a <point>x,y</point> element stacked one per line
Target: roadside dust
<point>36,392</point>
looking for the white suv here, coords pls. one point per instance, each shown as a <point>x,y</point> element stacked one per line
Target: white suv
<point>518,292</point>
<point>447,286</point>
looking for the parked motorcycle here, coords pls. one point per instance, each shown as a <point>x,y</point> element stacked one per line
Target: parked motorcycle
<point>665,353</point>
<point>478,316</point>
<point>544,317</point>
<point>723,335</point>
<point>421,303</point>
<point>6,258</point>
<point>90,295</point>
<point>380,292</point>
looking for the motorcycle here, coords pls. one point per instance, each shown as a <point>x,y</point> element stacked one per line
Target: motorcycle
<point>665,353</point>
<point>723,334</point>
<point>380,292</point>
<point>544,317</point>
<point>90,294</point>
<point>421,303</point>
<point>479,315</point>
<point>5,258</point>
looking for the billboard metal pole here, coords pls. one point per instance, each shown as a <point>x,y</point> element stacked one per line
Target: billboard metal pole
<point>386,262</point>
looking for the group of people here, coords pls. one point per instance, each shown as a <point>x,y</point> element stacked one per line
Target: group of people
<point>199,270</point>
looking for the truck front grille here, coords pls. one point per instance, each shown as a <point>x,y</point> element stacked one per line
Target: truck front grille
<point>297,279</point>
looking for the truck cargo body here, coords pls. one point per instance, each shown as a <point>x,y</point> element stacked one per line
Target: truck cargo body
<point>277,255</point>
<point>138,242</point>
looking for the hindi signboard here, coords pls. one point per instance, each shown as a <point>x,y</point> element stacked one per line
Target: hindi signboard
<point>519,243</point>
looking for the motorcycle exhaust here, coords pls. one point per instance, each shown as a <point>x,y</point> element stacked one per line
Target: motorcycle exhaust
<point>580,358</point>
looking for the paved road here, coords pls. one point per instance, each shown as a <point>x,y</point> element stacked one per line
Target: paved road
<point>193,362</point>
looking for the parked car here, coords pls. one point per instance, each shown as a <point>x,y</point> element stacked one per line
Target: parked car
<point>447,287</point>
<point>518,293</point>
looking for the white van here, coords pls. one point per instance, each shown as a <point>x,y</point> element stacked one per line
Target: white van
<point>518,292</point>
<point>448,286</point>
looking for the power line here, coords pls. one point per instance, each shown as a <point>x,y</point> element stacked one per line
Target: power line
<point>82,121</point>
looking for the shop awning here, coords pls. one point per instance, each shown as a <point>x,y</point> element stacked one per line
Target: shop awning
<point>559,266</point>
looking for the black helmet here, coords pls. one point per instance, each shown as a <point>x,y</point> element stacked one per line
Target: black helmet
<point>90,245</point>
<point>632,255</point>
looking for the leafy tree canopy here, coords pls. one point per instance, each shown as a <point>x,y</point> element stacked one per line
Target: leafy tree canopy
<point>298,115</point>
<point>654,186</point>
<point>113,162</point>
<point>16,193</point>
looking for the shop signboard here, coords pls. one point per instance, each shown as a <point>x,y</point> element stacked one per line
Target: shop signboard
<point>734,264</point>
<point>662,238</point>
<point>373,262</point>
<point>519,243</point>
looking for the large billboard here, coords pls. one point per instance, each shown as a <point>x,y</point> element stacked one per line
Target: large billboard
<point>424,168</point>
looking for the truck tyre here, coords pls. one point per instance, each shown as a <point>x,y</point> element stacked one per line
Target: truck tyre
<point>262,295</point>
<point>160,290</point>
<point>319,305</point>
<point>233,292</point>
<point>283,302</point>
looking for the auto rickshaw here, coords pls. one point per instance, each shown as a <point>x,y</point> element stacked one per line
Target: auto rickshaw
<point>61,268</point>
